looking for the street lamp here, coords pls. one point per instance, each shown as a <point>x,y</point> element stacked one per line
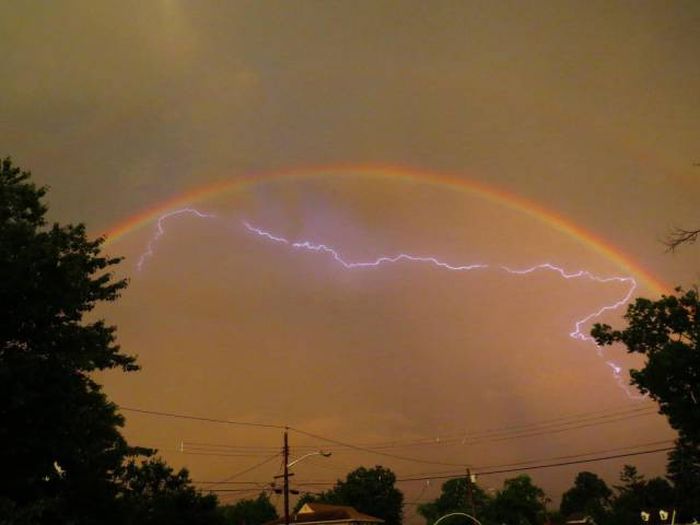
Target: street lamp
<point>287,465</point>
<point>317,453</point>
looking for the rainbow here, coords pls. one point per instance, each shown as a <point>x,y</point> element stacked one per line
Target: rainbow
<point>481,190</point>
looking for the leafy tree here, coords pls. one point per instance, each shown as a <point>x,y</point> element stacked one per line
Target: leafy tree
<point>632,480</point>
<point>589,496</point>
<point>153,494</point>
<point>636,494</point>
<point>59,439</point>
<point>64,459</point>
<point>667,332</point>
<point>250,511</point>
<point>555,517</point>
<point>629,498</point>
<point>658,493</point>
<point>683,470</point>
<point>520,502</point>
<point>453,498</point>
<point>371,491</point>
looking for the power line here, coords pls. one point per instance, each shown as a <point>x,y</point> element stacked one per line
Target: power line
<point>592,421</point>
<point>205,452</point>
<point>521,431</point>
<point>217,454</point>
<point>559,424</point>
<point>247,448</point>
<point>558,421</point>
<point>199,418</point>
<point>484,468</point>
<point>372,451</point>
<point>571,456</point>
<point>495,439</point>
<point>198,482</point>
<point>237,490</point>
<point>558,430</point>
<point>433,475</point>
<point>278,427</point>
<point>245,471</point>
<point>550,465</point>
<point>493,435</point>
<point>219,450</point>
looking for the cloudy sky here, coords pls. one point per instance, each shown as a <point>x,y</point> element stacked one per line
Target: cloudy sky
<point>587,110</point>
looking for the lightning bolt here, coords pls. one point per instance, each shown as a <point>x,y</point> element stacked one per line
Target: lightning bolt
<point>577,333</point>
<point>160,231</point>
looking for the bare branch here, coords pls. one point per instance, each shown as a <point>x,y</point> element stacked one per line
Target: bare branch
<point>679,236</point>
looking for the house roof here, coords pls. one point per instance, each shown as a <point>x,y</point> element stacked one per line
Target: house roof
<point>324,513</point>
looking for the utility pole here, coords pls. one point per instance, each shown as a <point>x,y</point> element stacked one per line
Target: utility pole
<point>470,493</point>
<point>286,478</point>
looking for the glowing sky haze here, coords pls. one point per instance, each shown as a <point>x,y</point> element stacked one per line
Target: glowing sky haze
<point>540,151</point>
<point>580,326</point>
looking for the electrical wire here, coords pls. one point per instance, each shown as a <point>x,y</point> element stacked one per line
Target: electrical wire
<point>516,432</point>
<point>572,456</point>
<point>203,451</point>
<point>219,454</point>
<point>495,439</point>
<point>236,490</point>
<point>199,418</point>
<point>536,467</point>
<point>558,430</point>
<point>371,451</point>
<point>494,435</point>
<point>484,468</point>
<point>555,425</point>
<point>567,426</point>
<point>489,469</point>
<point>245,471</point>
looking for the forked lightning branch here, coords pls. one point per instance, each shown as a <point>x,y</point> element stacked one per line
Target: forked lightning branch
<point>323,250</point>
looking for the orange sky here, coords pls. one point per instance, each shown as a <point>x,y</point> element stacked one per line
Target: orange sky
<point>587,111</point>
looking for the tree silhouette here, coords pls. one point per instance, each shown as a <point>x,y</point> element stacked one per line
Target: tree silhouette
<point>684,471</point>
<point>59,438</point>
<point>680,236</point>
<point>667,333</point>
<point>63,457</point>
<point>370,491</point>
<point>453,498</point>
<point>153,494</point>
<point>589,496</point>
<point>520,502</point>
<point>250,511</point>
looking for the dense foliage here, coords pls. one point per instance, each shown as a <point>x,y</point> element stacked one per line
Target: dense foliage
<point>519,501</point>
<point>453,498</point>
<point>589,496</point>
<point>59,442</point>
<point>63,457</point>
<point>153,494</point>
<point>250,511</point>
<point>370,491</point>
<point>683,470</point>
<point>667,333</point>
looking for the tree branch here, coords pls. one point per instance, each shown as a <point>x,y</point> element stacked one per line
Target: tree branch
<point>679,236</point>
